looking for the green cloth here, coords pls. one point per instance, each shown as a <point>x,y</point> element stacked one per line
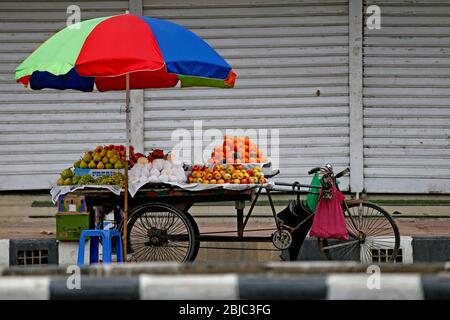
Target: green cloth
<point>58,54</point>
<point>191,81</point>
<point>313,199</point>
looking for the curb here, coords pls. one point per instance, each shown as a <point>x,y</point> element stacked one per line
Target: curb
<point>414,249</point>
<point>274,269</point>
<point>229,287</point>
<point>4,252</point>
<point>28,252</point>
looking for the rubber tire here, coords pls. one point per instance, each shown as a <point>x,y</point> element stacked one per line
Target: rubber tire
<point>189,222</point>
<point>324,242</point>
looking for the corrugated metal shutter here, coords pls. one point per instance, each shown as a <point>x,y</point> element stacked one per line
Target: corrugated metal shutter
<point>43,132</point>
<point>283,53</point>
<point>407,98</point>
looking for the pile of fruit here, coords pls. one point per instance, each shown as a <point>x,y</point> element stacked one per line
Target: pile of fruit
<point>157,167</point>
<point>221,174</point>
<point>117,179</point>
<point>230,165</point>
<point>157,154</point>
<point>238,150</point>
<point>104,157</point>
<point>67,178</point>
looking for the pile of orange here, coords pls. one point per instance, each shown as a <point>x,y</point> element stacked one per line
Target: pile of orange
<point>237,149</point>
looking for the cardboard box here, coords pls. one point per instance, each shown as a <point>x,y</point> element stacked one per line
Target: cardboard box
<point>72,217</point>
<point>69,203</point>
<point>69,225</point>
<point>97,173</point>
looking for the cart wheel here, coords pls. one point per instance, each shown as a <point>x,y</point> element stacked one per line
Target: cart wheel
<point>161,232</point>
<point>282,239</point>
<point>378,238</point>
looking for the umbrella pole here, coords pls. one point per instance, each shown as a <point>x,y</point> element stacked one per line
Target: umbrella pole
<point>127,158</point>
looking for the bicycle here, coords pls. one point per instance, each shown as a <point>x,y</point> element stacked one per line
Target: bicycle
<point>372,230</point>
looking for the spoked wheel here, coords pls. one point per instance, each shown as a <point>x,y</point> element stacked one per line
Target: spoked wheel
<point>373,236</point>
<point>161,232</point>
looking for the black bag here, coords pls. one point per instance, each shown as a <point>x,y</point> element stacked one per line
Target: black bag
<point>292,216</point>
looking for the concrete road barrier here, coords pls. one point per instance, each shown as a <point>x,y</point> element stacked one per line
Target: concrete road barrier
<point>272,268</point>
<point>413,249</point>
<point>231,286</point>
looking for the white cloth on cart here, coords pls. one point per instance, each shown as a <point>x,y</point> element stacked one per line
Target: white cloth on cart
<point>56,191</point>
<point>133,188</point>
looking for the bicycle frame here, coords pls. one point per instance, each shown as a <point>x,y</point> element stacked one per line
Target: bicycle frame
<point>295,189</point>
<point>268,190</point>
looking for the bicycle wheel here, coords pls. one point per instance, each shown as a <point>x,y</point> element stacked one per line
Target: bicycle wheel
<point>373,236</point>
<point>161,232</point>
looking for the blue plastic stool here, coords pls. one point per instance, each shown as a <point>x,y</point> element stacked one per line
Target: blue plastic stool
<point>107,237</point>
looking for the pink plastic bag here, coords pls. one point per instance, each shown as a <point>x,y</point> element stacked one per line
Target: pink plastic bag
<point>329,220</point>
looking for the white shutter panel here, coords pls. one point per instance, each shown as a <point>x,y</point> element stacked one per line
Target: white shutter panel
<point>43,132</point>
<point>283,53</point>
<point>407,98</point>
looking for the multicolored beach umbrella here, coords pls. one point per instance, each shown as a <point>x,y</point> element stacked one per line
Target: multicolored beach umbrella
<point>124,52</point>
<point>154,52</point>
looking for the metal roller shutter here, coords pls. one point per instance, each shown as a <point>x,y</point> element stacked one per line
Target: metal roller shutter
<point>407,98</point>
<point>283,53</point>
<point>43,132</point>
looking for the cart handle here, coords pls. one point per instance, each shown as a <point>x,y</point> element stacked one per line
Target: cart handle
<point>343,173</point>
<point>314,170</point>
<point>272,173</point>
<point>295,185</point>
<point>328,168</point>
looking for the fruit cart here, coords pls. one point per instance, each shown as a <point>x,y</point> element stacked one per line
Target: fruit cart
<point>160,226</point>
<point>161,191</point>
